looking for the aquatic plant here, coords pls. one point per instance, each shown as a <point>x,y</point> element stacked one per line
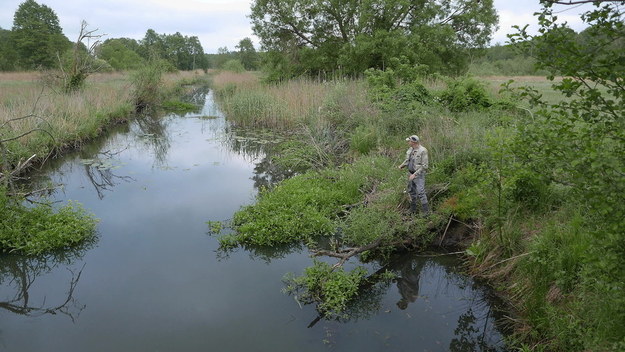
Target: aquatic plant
<point>39,229</point>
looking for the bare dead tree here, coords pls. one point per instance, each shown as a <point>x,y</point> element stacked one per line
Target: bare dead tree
<point>71,76</point>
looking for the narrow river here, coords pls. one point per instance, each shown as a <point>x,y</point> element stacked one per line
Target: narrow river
<point>154,280</point>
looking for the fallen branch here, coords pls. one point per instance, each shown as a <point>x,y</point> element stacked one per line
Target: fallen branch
<point>451,217</point>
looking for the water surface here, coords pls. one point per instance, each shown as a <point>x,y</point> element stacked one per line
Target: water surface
<point>153,279</point>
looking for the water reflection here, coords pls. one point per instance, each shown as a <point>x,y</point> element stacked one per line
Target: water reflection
<point>471,333</point>
<point>99,172</point>
<point>197,96</point>
<point>260,147</point>
<point>264,253</point>
<point>429,288</point>
<point>18,275</point>
<point>408,278</point>
<point>151,131</point>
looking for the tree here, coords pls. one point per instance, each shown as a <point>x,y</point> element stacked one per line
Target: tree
<point>320,32</point>
<point>579,144</point>
<point>37,35</point>
<point>119,54</point>
<point>8,55</point>
<point>247,54</point>
<point>223,55</point>
<point>81,62</point>
<point>184,53</point>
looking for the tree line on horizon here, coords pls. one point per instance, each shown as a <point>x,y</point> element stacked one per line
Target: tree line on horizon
<point>36,41</point>
<point>297,37</point>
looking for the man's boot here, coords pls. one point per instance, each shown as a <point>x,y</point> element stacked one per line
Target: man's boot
<point>413,207</point>
<point>425,209</point>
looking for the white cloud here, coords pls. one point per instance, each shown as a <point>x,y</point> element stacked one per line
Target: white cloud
<point>521,13</point>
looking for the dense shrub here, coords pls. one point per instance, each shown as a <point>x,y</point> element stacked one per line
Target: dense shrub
<point>464,95</point>
<point>41,229</point>
<point>233,65</point>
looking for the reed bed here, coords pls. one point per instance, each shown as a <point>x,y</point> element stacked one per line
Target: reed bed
<point>283,106</point>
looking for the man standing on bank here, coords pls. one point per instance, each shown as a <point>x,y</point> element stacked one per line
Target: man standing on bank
<point>417,163</point>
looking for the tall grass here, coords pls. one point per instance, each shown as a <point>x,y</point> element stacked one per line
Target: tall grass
<point>283,106</point>
<point>61,120</point>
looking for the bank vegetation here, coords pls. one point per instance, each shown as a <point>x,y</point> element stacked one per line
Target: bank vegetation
<point>534,235</point>
<point>41,120</point>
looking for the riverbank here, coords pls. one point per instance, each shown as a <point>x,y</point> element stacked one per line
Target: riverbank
<point>58,121</point>
<point>38,122</point>
<point>530,235</point>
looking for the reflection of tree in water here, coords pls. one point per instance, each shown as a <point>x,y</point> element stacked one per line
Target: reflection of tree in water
<point>259,147</point>
<point>473,332</point>
<point>18,273</point>
<point>197,97</point>
<point>100,173</point>
<point>266,254</point>
<point>152,130</point>
<point>368,301</point>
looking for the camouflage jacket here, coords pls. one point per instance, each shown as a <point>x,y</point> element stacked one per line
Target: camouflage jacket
<point>416,160</point>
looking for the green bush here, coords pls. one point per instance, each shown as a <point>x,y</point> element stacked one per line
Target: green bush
<point>332,289</point>
<point>40,229</point>
<point>147,84</point>
<point>411,93</point>
<point>364,139</point>
<point>305,206</point>
<point>528,188</point>
<point>464,95</point>
<point>234,66</point>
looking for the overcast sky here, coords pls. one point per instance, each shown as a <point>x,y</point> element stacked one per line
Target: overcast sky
<point>217,23</point>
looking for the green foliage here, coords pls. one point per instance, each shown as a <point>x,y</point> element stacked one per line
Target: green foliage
<point>181,52</point>
<point>40,229</point>
<point>121,54</point>
<point>529,189</point>
<point>248,55</point>
<point>37,36</point>
<point>333,289</point>
<point>364,225</point>
<point>578,143</point>
<point>398,91</point>
<point>147,84</point>
<point>364,139</point>
<point>305,206</point>
<point>465,94</point>
<point>233,65</point>
<point>298,209</point>
<point>8,54</point>
<point>178,106</point>
<point>314,36</point>
<point>215,227</point>
<point>296,155</point>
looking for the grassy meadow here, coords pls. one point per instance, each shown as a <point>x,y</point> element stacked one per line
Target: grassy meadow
<point>531,238</point>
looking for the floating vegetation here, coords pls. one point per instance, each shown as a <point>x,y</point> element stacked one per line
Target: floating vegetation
<point>101,164</point>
